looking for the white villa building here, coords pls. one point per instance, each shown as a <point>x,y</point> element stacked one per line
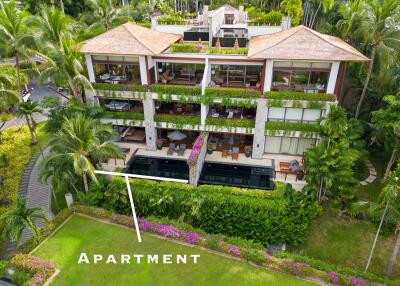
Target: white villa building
<point>255,93</point>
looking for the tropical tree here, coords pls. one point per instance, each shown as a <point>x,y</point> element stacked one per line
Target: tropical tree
<point>13,36</point>
<point>81,144</point>
<point>292,8</point>
<point>330,164</point>
<point>105,15</point>
<point>379,29</point>
<point>388,205</point>
<point>28,110</point>
<point>52,26</point>
<point>312,8</point>
<point>352,13</point>
<point>64,68</point>
<point>386,122</point>
<point>16,220</point>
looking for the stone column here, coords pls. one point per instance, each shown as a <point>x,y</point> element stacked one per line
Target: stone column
<point>143,70</point>
<point>195,168</point>
<point>268,75</point>
<point>150,128</point>
<point>259,130</point>
<point>330,89</point>
<point>204,112</point>
<point>89,65</point>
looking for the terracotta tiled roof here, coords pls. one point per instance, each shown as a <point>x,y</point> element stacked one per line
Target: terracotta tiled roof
<point>302,43</point>
<point>130,39</point>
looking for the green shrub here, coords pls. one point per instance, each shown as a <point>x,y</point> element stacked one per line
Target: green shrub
<point>177,119</point>
<point>300,96</point>
<point>184,48</point>
<point>123,115</point>
<point>175,89</point>
<point>227,51</point>
<point>231,92</point>
<point>20,277</point>
<point>119,87</point>
<point>272,125</point>
<point>231,122</point>
<point>3,267</point>
<point>271,18</point>
<point>218,210</point>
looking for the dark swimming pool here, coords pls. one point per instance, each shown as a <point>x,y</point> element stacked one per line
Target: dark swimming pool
<point>244,176</point>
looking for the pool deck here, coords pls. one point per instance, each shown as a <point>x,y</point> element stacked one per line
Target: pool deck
<point>268,160</point>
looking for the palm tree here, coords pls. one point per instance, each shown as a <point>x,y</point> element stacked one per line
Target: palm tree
<point>8,94</point>
<point>389,202</point>
<point>106,14</point>
<point>16,220</point>
<point>352,13</point>
<point>27,110</point>
<point>65,68</point>
<point>379,28</point>
<point>52,25</point>
<point>13,35</point>
<point>81,144</point>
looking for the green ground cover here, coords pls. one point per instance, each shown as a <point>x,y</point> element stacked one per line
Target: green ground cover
<point>85,235</point>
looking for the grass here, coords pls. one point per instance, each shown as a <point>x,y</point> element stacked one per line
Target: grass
<point>347,242</point>
<point>85,235</point>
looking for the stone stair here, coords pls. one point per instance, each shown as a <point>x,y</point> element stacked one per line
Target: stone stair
<point>36,194</point>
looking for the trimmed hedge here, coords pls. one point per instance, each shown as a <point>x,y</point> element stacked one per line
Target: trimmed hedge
<point>274,218</point>
<point>119,87</point>
<point>232,122</point>
<point>175,89</point>
<point>271,125</point>
<point>123,115</point>
<point>192,48</point>
<point>231,92</point>
<point>177,119</point>
<point>300,96</point>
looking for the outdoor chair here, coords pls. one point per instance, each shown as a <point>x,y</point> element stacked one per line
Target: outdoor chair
<point>171,149</point>
<point>182,149</point>
<point>224,153</point>
<point>235,156</point>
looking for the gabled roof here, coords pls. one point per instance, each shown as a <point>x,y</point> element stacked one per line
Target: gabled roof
<point>302,43</point>
<point>130,39</point>
<point>229,8</point>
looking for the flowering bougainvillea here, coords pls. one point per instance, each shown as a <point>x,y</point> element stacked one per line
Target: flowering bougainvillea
<point>39,269</point>
<point>333,277</point>
<point>194,154</point>
<point>357,281</point>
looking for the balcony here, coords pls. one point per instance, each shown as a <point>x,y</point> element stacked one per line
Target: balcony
<point>180,73</point>
<point>231,116</point>
<point>236,76</point>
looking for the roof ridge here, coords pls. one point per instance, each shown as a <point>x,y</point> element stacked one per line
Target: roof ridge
<point>295,30</point>
<point>136,38</point>
<point>321,36</point>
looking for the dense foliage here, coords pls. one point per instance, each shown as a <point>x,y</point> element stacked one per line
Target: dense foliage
<point>214,209</point>
<point>300,96</point>
<point>231,122</point>
<point>231,92</point>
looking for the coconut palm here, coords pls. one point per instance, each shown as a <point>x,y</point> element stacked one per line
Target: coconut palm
<point>28,110</point>
<point>16,220</point>
<point>379,28</point>
<point>105,15</point>
<point>8,94</point>
<point>388,205</point>
<point>52,26</point>
<point>81,144</point>
<point>65,69</point>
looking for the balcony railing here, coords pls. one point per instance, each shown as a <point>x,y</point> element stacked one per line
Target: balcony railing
<point>289,126</point>
<point>231,122</point>
<point>177,119</point>
<point>123,115</point>
<point>300,96</point>
<point>219,92</point>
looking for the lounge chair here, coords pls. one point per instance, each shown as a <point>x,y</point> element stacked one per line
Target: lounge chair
<point>182,149</point>
<point>230,114</point>
<point>171,149</point>
<point>224,153</point>
<point>235,153</point>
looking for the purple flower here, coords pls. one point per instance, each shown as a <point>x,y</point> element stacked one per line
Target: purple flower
<point>267,256</point>
<point>333,277</point>
<point>191,237</point>
<point>234,250</point>
<point>169,231</point>
<point>357,281</point>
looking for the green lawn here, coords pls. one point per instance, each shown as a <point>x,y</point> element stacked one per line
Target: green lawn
<point>347,242</point>
<point>85,235</point>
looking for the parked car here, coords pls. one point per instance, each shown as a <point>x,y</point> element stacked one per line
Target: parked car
<point>118,106</point>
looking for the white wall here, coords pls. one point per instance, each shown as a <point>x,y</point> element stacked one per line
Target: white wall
<point>332,78</point>
<point>173,29</point>
<point>268,75</point>
<point>89,65</point>
<point>262,30</point>
<point>143,70</point>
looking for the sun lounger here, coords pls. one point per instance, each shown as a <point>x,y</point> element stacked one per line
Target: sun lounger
<point>171,149</point>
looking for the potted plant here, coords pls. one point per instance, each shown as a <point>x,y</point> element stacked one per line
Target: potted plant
<point>211,147</point>
<point>247,151</point>
<point>159,144</point>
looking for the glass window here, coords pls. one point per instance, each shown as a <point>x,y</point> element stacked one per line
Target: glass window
<point>272,144</point>
<point>281,78</point>
<point>283,64</point>
<point>301,64</point>
<point>294,114</point>
<point>322,65</point>
<point>311,114</point>
<point>319,79</point>
<point>304,144</point>
<point>276,113</point>
<point>131,59</point>
<point>299,79</point>
<point>116,59</point>
<point>289,145</point>
<point>100,58</point>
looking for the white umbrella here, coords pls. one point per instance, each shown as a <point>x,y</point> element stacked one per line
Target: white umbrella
<point>176,135</point>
